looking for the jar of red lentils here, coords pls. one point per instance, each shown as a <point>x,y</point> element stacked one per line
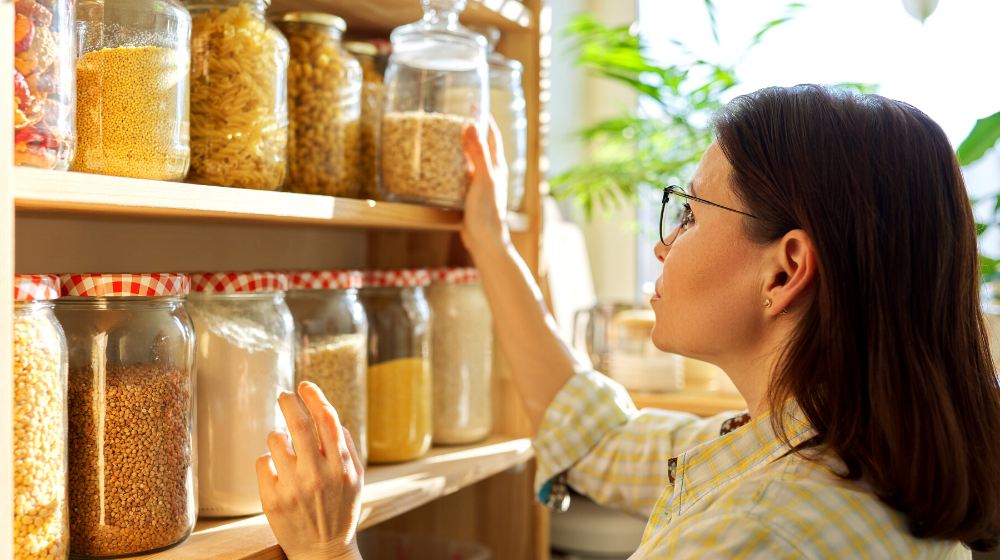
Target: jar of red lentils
<point>41,514</point>
<point>131,350</point>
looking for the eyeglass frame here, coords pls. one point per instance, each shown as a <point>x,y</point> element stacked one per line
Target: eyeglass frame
<point>679,191</point>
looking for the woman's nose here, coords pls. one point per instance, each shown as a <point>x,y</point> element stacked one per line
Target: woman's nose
<point>660,250</point>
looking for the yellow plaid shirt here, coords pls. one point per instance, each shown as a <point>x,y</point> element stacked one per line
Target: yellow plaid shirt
<point>738,495</point>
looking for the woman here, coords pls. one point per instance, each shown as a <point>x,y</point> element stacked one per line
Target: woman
<point>824,256</point>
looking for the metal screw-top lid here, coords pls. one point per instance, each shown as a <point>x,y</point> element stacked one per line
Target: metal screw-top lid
<point>317,18</point>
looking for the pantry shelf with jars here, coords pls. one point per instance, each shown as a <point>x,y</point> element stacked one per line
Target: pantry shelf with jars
<point>215,153</point>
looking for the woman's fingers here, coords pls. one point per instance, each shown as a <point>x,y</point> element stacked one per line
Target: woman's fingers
<point>325,417</point>
<point>355,457</point>
<point>300,426</point>
<point>474,150</point>
<point>496,146</point>
<point>282,455</point>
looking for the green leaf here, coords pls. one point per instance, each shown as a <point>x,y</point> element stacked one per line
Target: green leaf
<point>860,87</point>
<point>988,267</point>
<point>984,136</point>
<point>712,21</point>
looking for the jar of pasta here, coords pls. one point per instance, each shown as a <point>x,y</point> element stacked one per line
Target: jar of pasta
<point>244,360</point>
<point>44,87</point>
<point>399,375</point>
<point>41,514</point>
<point>461,356</point>
<point>324,106</point>
<point>373,56</point>
<point>331,350</point>
<point>239,108</point>
<point>436,84</point>
<point>132,88</point>
<point>131,414</point>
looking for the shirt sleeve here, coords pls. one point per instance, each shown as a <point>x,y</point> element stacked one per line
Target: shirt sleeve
<point>719,535</point>
<point>611,452</point>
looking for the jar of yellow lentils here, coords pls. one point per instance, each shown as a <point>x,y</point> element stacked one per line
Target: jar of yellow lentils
<point>324,106</point>
<point>41,514</point>
<point>132,88</point>
<point>399,373</point>
<point>239,107</point>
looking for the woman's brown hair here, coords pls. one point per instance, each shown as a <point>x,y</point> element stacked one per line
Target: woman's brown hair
<point>890,361</point>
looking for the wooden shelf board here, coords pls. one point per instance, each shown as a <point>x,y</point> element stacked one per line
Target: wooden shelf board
<point>80,193</point>
<point>382,16</point>
<point>390,490</point>
<point>702,403</point>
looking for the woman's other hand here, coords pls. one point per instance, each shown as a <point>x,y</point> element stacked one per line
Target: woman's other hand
<point>486,201</point>
<point>310,483</point>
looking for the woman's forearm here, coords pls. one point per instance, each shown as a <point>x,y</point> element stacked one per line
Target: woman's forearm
<point>540,362</point>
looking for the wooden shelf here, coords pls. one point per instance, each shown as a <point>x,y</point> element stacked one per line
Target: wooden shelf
<point>389,491</point>
<point>81,193</point>
<point>381,16</point>
<point>700,403</point>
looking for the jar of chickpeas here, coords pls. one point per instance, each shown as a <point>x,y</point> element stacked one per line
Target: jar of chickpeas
<point>324,106</point>
<point>132,88</point>
<point>399,371</point>
<point>239,108</point>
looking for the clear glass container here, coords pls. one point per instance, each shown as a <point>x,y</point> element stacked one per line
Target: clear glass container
<point>41,511</point>
<point>437,82</point>
<point>131,413</point>
<point>507,104</point>
<point>324,106</point>
<point>244,358</point>
<point>44,84</point>
<point>132,88</point>
<point>373,56</point>
<point>331,350</point>
<point>239,96</point>
<point>461,356</point>
<point>399,375</point>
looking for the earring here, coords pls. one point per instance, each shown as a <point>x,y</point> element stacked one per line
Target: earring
<point>767,302</point>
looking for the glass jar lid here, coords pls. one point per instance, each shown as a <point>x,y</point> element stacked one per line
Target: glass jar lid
<point>35,287</point>
<point>125,285</point>
<point>317,18</point>
<point>325,280</point>
<point>401,278</point>
<point>238,282</point>
<point>438,41</point>
<point>455,275</point>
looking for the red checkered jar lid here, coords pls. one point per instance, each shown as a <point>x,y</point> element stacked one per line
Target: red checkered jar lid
<point>402,278</point>
<point>125,285</point>
<point>238,282</point>
<point>461,275</point>
<point>325,279</point>
<point>35,287</point>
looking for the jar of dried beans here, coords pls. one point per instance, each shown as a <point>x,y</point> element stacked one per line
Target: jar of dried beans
<point>244,359</point>
<point>437,83</point>
<point>41,515</point>
<point>331,334</point>
<point>324,106</point>
<point>44,88</point>
<point>132,88</point>
<point>131,348</point>
<point>239,104</point>
<point>461,356</point>
<point>399,374</point>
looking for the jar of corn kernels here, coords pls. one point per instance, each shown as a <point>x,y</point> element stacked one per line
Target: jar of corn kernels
<point>41,514</point>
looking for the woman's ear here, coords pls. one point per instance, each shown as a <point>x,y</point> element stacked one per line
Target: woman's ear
<point>790,273</point>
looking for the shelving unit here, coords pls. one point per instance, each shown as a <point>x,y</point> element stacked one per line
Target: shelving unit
<point>68,222</point>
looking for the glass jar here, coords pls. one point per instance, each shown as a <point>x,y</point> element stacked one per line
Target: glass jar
<point>507,104</point>
<point>44,84</point>
<point>461,356</point>
<point>373,56</point>
<point>324,106</point>
<point>437,82</point>
<point>132,88</point>
<point>331,350</point>
<point>244,359</point>
<point>399,375</point>
<point>239,98</point>
<point>131,349</point>
<point>41,513</point>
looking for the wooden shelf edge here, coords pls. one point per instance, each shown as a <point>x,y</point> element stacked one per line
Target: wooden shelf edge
<point>379,17</point>
<point>701,403</point>
<point>390,490</point>
<point>78,193</point>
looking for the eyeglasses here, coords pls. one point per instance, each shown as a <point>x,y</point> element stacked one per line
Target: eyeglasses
<point>676,215</point>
